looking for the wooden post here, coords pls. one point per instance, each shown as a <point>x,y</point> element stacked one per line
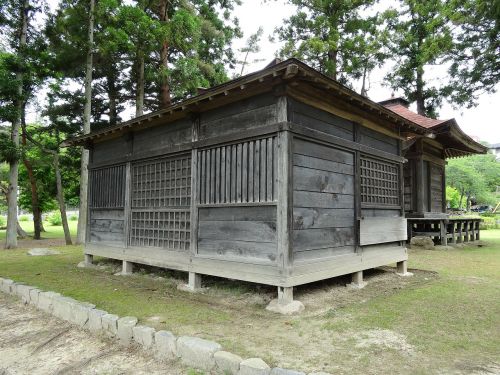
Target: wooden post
<point>443,232</point>
<point>285,295</point>
<point>89,259</point>
<point>419,177</point>
<point>453,232</point>
<point>194,282</point>
<point>460,235</point>
<point>127,268</point>
<point>127,206</point>
<point>466,238</point>
<point>478,223</point>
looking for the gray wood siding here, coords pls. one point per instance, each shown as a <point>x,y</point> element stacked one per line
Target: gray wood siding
<point>436,188</point>
<point>323,201</point>
<point>110,151</point>
<point>107,227</point>
<point>243,233</point>
<point>378,140</point>
<point>242,172</point>
<point>409,181</point>
<point>313,118</point>
<point>162,137</point>
<point>256,112</point>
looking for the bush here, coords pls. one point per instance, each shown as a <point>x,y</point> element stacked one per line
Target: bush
<point>489,223</point>
<point>55,218</point>
<point>3,222</point>
<point>24,218</point>
<point>73,218</point>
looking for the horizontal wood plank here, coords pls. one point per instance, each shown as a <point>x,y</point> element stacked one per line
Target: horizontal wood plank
<point>306,218</point>
<point>322,200</point>
<point>307,179</point>
<point>380,230</point>
<point>310,239</point>
<point>259,231</point>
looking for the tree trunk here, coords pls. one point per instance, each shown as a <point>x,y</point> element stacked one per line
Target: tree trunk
<point>139,94</point>
<point>11,233</point>
<point>113,97</point>
<point>461,199</point>
<point>165,99</point>
<point>20,231</point>
<point>60,200</point>
<point>419,94</point>
<point>84,174</point>
<point>35,205</point>
<point>364,90</point>
<point>332,59</point>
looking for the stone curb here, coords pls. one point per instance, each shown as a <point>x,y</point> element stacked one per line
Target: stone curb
<point>192,351</point>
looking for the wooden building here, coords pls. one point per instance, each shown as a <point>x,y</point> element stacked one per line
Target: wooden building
<point>424,175</point>
<point>280,177</point>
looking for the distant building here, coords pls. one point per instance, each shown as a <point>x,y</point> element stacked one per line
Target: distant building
<point>495,149</point>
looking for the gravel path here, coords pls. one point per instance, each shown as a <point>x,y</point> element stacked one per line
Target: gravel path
<point>32,342</point>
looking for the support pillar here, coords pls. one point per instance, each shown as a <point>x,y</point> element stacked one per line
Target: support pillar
<point>194,282</point>
<point>285,295</point>
<point>402,268</point>
<point>357,280</point>
<point>89,259</point>
<point>127,268</point>
<point>443,232</point>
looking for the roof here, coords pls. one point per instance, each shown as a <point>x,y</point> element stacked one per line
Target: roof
<point>396,105</point>
<point>456,143</point>
<point>288,71</point>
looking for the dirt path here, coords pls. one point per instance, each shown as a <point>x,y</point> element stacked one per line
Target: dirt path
<point>32,342</point>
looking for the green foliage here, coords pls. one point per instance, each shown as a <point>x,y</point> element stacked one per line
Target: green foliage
<point>490,222</point>
<point>419,37</point>
<point>3,221</point>
<point>24,218</point>
<point>9,152</point>
<point>73,218</point>
<point>334,37</point>
<point>55,218</point>
<point>475,176</point>
<point>452,197</point>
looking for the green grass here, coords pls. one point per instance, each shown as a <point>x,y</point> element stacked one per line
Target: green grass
<point>52,232</point>
<point>449,312</point>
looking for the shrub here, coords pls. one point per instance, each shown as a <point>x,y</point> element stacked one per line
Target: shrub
<point>73,218</point>
<point>489,223</point>
<point>24,218</point>
<point>3,222</point>
<point>55,218</point>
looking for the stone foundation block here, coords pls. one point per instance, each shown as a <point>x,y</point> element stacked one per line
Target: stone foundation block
<point>34,293</point>
<point>319,373</point>
<point>292,308</point>
<point>7,285</point>
<point>110,324</point>
<point>197,352</point>
<point>282,371</point>
<point>254,366</point>
<point>62,307</point>
<point>125,326</point>
<point>45,301</point>
<point>23,291</point>
<point>227,363</point>
<point>144,336</point>
<point>80,312</point>
<point>165,345</point>
<point>95,320</point>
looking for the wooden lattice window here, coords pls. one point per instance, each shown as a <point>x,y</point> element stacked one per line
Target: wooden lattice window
<point>107,187</point>
<point>379,182</point>
<point>162,183</point>
<point>242,172</point>
<point>169,229</point>
<point>161,199</point>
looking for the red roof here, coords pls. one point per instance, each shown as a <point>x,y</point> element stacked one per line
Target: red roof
<point>398,106</point>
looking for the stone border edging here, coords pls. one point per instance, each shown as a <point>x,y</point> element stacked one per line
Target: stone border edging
<point>192,351</point>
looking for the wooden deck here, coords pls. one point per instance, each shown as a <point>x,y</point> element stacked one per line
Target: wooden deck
<point>445,230</point>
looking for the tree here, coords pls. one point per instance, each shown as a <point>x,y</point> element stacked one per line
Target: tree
<point>419,38</point>
<point>251,47</point>
<point>475,58</point>
<point>475,177</point>
<point>84,174</point>
<point>334,37</point>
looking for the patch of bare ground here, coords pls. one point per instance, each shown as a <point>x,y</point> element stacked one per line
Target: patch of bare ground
<point>32,342</point>
<point>28,242</point>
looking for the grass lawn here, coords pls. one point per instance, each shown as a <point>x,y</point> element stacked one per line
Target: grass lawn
<point>444,319</point>
<point>52,232</point>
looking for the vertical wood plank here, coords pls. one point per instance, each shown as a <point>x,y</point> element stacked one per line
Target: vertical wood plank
<point>256,181</point>
<point>263,169</point>
<point>269,170</point>
<point>244,173</point>
<point>193,235</point>
<point>284,212</point>
<point>251,151</point>
<point>238,173</point>
<point>127,205</point>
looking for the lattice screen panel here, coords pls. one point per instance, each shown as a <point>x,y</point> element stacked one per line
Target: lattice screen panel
<point>379,182</point>
<point>161,199</point>
<point>107,187</point>
<point>162,183</point>
<point>243,172</point>
<point>169,229</point>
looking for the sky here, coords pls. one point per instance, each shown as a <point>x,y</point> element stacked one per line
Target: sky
<point>481,122</point>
